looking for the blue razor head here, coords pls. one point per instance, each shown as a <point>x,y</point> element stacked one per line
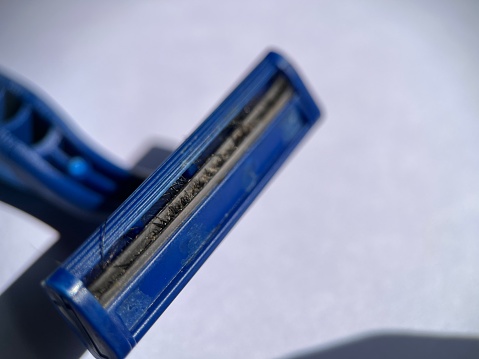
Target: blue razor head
<point>117,284</point>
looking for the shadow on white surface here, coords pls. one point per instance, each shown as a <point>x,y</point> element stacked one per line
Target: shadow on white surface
<point>401,345</point>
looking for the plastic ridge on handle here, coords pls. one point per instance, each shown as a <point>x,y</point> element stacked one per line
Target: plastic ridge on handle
<point>39,152</point>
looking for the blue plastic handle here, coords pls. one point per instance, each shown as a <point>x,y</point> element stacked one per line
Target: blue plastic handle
<point>39,152</point>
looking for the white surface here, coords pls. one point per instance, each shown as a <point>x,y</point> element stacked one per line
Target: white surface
<point>23,239</point>
<point>372,225</point>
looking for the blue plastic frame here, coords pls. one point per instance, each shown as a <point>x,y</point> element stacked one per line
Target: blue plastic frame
<point>113,331</point>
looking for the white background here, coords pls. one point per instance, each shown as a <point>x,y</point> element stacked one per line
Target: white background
<point>374,222</point>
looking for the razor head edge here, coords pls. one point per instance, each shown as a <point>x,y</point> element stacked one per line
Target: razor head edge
<point>115,286</point>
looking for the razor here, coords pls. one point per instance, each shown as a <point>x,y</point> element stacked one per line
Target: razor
<point>124,276</point>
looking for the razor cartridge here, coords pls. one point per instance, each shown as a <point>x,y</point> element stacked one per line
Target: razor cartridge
<point>117,284</point>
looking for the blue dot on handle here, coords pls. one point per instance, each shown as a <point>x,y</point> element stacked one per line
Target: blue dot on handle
<point>78,167</point>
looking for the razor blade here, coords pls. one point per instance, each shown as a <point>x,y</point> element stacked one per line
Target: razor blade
<point>117,284</point>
